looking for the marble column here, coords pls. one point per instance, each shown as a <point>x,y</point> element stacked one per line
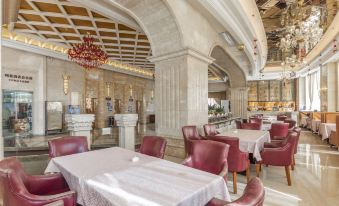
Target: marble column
<point>101,107</point>
<point>238,100</point>
<point>181,91</point>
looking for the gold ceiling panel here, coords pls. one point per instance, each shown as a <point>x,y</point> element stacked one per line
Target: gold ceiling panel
<point>63,23</point>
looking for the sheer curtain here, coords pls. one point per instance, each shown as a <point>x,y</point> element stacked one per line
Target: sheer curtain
<point>313,91</point>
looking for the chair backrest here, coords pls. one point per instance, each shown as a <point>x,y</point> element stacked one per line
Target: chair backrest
<point>291,123</point>
<point>153,146</point>
<point>210,130</point>
<point>279,129</point>
<point>67,146</point>
<point>255,120</point>
<point>298,131</point>
<point>189,133</point>
<point>293,140</point>
<point>13,180</point>
<point>209,156</point>
<point>238,124</point>
<point>253,195</point>
<point>233,152</point>
<point>251,126</point>
<point>281,117</point>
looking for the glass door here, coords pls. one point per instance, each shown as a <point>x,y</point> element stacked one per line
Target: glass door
<point>16,116</point>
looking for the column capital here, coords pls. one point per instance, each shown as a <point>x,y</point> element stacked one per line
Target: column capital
<point>183,52</point>
<point>126,120</point>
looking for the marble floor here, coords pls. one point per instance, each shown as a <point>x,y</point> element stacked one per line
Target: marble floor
<point>315,180</point>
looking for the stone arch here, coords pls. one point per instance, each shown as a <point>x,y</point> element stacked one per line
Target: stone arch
<point>236,75</point>
<point>157,21</point>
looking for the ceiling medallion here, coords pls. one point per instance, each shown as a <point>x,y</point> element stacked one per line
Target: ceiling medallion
<point>87,54</point>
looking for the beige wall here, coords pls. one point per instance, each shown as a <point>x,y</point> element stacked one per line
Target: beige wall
<point>48,83</point>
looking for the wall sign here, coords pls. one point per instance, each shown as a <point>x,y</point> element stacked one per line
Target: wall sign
<point>18,78</point>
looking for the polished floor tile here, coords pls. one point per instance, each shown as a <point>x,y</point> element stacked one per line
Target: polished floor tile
<point>315,180</point>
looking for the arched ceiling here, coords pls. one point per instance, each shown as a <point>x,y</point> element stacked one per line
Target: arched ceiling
<point>226,64</point>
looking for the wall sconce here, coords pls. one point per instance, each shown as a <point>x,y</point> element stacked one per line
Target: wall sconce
<point>130,90</point>
<point>66,78</point>
<point>108,88</point>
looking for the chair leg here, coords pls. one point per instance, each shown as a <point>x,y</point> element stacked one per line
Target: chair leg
<point>235,182</point>
<point>292,165</point>
<point>288,175</point>
<point>257,169</point>
<point>260,167</point>
<point>248,173</point>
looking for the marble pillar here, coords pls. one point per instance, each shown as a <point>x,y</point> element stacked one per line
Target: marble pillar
<point>238,99</point>
<point>181,91</point>
<point>126,124</point>
<point>101,107</point>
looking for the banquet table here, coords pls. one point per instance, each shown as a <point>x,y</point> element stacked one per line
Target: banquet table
<point>251,141</point>
<point>325,130</point>
<point>116,176</point>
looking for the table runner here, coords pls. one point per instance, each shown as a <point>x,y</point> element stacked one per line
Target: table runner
<point>109,177</point>
<point>251,141</point>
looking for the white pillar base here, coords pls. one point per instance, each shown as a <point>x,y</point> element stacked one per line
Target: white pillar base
<point>80,125</point>
<point>126,124</point>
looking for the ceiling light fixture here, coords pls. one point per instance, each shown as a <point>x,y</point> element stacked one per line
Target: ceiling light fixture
<point>87,54</point>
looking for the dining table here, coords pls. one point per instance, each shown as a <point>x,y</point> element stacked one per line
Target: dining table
<point>117,176</point>
<point>251,141</point>
<point>325,130</point>
<point>267,124</point>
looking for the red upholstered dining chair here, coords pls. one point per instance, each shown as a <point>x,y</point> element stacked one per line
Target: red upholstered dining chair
<point>279,131</point>
<point>291,123</point>
<point>67,145</point>
<point>280,156</point>
<point>237,160</point>
<point>153,146</point>
<point>280,143</point>
<point>210,130</point>
<point>17,188</point>
<point>238,124</point>
<point>190,134</point>
<point>251,126</point>
<point>208,156</point>
<point>281,117</point>
<point>255,121</point>
<point>254,195</point>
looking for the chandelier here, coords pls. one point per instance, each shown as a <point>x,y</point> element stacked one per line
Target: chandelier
<point>87,54</point>
<point>303,28</point>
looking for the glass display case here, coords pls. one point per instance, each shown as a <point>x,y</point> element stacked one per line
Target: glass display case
<point>16,116</point>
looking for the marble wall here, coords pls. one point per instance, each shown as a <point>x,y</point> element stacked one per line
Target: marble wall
<point>48,85</point>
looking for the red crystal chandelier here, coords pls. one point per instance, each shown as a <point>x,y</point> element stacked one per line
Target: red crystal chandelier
<point>87,54</point>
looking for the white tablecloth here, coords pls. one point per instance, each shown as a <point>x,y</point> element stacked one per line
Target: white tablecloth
<point>315,125</point>
<point>267,124</point>
<point>251,141</point>
<point>108,177</point>
<point>303,121</point>
<point>325,130</point>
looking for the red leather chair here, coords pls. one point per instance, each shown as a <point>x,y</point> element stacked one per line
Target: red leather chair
<point>190,134</point>
<point>281,143</point>
<point>67,145</point>
<point>281,117</point>
<point>17,188</point>
<point>153,146</point>
<point>251,126</point>
<point>237,160</point>
<point>238,124</point>
<point>280,156</point>
<point>209,156</point>
<point>210,130</point>
<point>279,131</point>
<point>291,123</point>
<point>254,195</point>
<point>255,121</point>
